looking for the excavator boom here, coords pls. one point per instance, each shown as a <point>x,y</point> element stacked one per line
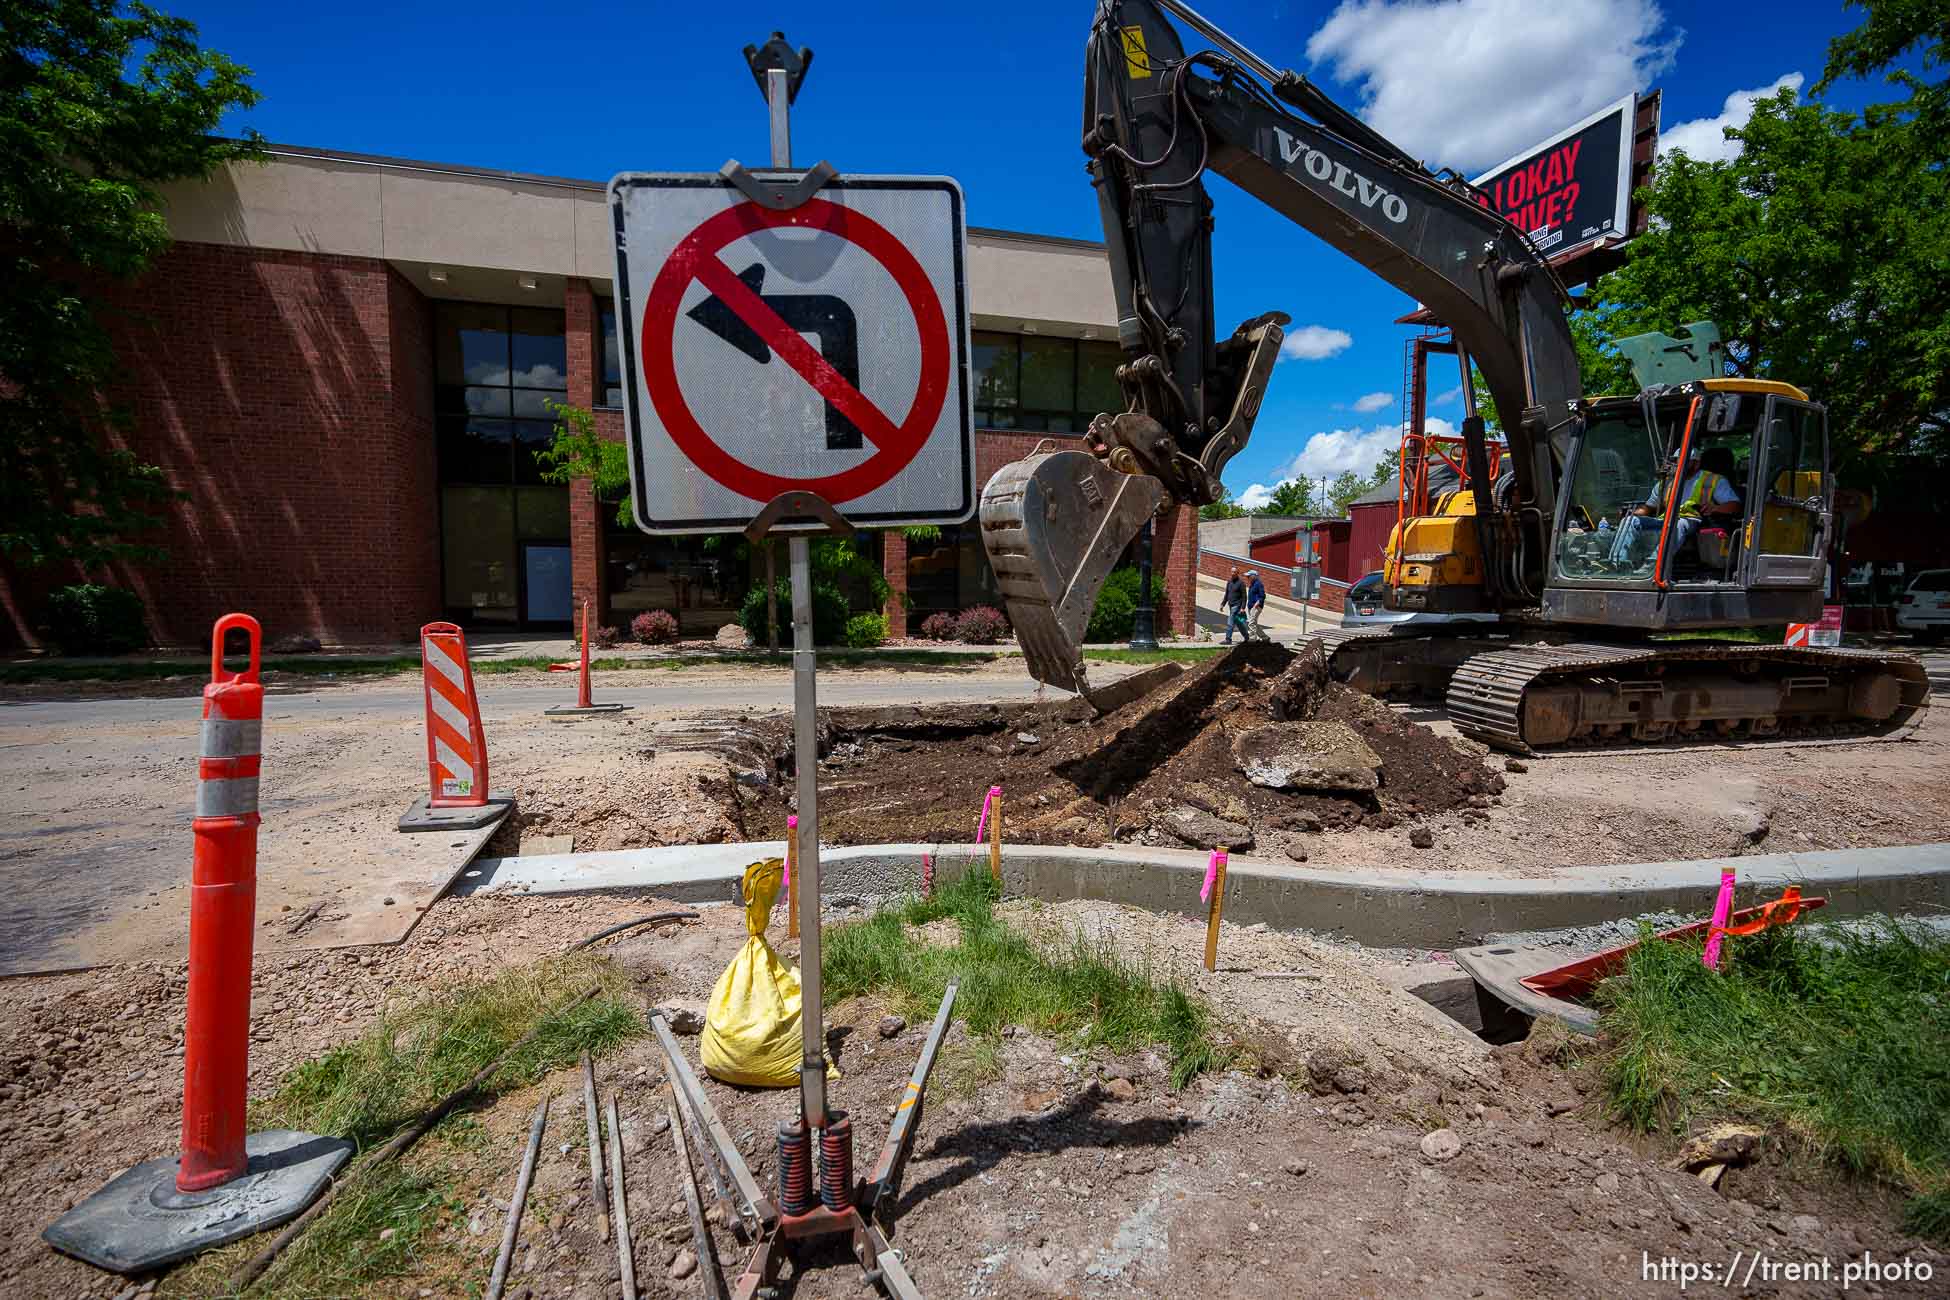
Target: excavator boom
<point>1155,122</point>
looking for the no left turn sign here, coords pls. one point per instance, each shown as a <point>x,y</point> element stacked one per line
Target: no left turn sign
<point>819,348</point>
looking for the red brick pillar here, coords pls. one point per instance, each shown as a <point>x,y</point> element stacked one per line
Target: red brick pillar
<point>586,551</point>
<point>893,566</point>
<point>585,518</point>
<point>1174,566</point>
<point>579,326</point>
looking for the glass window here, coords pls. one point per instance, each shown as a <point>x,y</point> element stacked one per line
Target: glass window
<point>542,514</point>
<point>531,437</point>
<point>477,535</point>
<point>473,449</point>
<point>540,349</point>
<point>611,385</point>
<point>996,388</point>
<point>497,368</point>
<point>1097,390</point>
<point>1049,384</point>
<point>470,344</point>
<point>1790,485</point>
<point>1618,474</point>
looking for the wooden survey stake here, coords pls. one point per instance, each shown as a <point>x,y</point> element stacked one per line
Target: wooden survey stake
<point>995,836</point>
<point>1218,907</point>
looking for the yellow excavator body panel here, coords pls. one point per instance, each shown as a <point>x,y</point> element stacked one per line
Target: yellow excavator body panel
<point>1774,386</point>
<point>1438,550</point>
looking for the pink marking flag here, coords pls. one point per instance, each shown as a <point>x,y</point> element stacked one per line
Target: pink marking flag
<point>1722,908</point>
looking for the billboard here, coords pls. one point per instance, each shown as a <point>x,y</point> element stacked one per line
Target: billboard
<point>1573,189</point>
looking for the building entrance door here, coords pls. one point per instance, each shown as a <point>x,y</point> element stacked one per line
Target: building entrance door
<point>547,589</point>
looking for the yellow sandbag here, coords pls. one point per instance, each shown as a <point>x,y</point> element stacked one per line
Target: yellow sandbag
<point>751,1031</point>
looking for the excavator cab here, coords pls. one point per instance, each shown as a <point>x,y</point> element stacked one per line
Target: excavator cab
<point>1703,505</point>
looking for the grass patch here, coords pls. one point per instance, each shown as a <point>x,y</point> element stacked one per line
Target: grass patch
<point>1165,654</point>
<point>416,1055</point>
<point>1838,1034</point>
<point>1085,991</point>
<point>342,1254</point>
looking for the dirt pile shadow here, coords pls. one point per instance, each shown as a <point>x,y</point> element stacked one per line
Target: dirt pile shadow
<point>1169,769</point>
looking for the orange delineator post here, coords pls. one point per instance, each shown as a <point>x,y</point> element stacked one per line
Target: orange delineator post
<point>457,763</point>
<point>223,904</point>
<point>583,700</point>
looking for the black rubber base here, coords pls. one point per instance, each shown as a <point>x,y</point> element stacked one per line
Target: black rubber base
<point>420,817</point>
<point>140,1222</point>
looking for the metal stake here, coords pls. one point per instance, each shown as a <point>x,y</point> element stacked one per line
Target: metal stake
<point>499,1278</point>
<point>598,1192</point>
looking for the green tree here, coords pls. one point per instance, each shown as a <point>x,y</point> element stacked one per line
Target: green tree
<point>1603,370</point>
<point>1822,251</point>
<point>1291,497</point>
<point>1891,30</point>
<point>1386,468</point>
<point>1346,487</point>
<point>579,452</point>
<point>99,105</point>
<point>1224,508</point>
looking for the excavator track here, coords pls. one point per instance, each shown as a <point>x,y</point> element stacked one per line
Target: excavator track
<point>1533,697</point>
<point>1517,691</point>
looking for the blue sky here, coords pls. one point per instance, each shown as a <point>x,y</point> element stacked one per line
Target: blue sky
<point>989,93</point>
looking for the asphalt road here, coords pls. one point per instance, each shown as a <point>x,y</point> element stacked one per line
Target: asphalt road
<point>671,693</point>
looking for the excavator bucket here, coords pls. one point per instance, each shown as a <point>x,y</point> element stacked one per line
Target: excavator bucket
<point>1055,524</point>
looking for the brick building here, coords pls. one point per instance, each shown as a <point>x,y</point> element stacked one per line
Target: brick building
<point>345,362</point>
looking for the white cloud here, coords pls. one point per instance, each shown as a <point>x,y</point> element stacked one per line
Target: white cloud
<point>1447,396</point>
<point>1468,83</point>
<point>1336,450</point>
<point>1373,402</point>
<point>1705,138</point>
<point>1314,343</point>
<point>1259,494</point>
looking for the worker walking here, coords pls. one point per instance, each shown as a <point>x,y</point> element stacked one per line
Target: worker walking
<point>1233,606</point>
<point>1255,606</point>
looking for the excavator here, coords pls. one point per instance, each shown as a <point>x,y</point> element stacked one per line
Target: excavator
<point>1575,559</point>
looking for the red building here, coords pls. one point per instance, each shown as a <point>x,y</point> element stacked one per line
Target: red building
<point>345,364</point>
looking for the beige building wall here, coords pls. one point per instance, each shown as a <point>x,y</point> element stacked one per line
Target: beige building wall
<point>484,229</point>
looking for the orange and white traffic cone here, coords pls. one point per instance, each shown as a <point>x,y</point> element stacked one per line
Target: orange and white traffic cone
<point>585,705</point>
<point>458,796</point>
<point>227,1183</point>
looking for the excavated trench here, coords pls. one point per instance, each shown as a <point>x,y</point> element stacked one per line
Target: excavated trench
<point>1252,750</point>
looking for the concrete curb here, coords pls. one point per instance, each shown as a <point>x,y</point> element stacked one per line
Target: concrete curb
<point>1382,908</point>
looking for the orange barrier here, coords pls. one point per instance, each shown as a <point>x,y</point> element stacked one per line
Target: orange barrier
<point>223,904</point>
<point>457,761</point>
<point>585,705</point>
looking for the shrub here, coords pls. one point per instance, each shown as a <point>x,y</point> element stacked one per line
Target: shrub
<point>1116,610</point>
<point>654,627</point>
<point>606,638</point>
<point>981,625</point>
<point>938,627</point>
<point>865,631</point>
<point>92,619</point>
<point>829,613</point>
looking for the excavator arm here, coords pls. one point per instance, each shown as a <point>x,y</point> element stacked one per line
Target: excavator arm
<point>1155,122</point>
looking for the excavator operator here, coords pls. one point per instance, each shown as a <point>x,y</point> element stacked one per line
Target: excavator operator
<point>1706,494</point>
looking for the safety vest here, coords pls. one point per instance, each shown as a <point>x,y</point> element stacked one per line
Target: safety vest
<point>1705,488</point>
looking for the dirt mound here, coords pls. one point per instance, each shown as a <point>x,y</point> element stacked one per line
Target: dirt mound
<point>1181,767</point>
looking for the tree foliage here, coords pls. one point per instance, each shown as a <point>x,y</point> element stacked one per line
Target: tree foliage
<point>1291,497</point>
<point>1822,251</point>
<point>1350,485</point>
<point>99,105</point>
<point>1224,508</point>
<point>578,452</point>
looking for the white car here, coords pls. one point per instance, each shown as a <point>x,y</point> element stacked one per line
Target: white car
<point>1925,606</point>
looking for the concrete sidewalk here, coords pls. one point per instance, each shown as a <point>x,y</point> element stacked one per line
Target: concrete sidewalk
<point>1282,619</point>
<point>1380,908</point>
